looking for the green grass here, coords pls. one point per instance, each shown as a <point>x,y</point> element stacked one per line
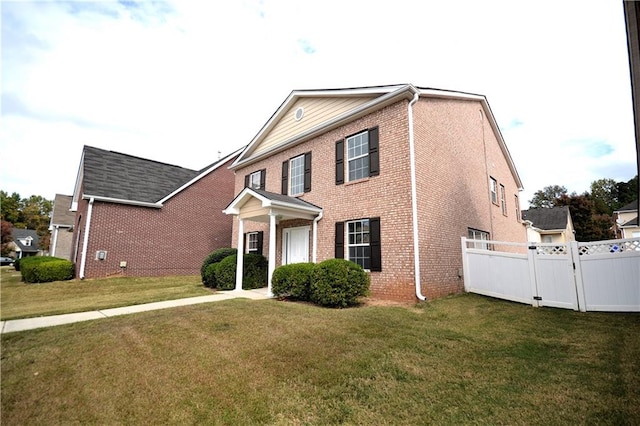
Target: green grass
<point>20,300</point>
<point>458,360</point>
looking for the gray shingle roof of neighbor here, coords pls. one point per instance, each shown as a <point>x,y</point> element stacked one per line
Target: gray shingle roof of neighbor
<point>19,234</point>
<point>125,177</point>
<point>61,215</point>
<point>547,218</point>
<point>632,222</point>
<point>631,206</point>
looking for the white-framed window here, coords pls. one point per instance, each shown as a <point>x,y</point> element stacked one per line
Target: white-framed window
<point>358,243</point>
<point>475,234</point>
<point>296,175</point>
<point>252,242</point>
<point>493,188</point>
<point>255,180</point>
<point>547,238</point>
<point>358,156</point>
<point>503,200</point>
<point>28,241</point>
<point>517,208</point>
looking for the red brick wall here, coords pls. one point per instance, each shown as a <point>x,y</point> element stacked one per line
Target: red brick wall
<point>452,175</point>
<point>172,240</point>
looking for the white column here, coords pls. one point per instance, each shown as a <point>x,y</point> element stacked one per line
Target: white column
<point>240,262</point>
<point>272,251</point>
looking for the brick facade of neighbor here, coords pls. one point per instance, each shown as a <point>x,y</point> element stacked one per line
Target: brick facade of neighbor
<point>171,240</point>
<point>456,152</point>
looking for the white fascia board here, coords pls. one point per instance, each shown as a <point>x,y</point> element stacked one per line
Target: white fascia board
<point>121,201</point>
<point>404,91</point>
<point>200,176</point>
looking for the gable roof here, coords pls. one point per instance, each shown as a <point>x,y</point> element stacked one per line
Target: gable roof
<point>632,206</point>
<point>62,214</point>
<point>121,178</point>
<point>351,103</point>
<point>554,218</point>
<point>631,223</point>
<point>22,234</point>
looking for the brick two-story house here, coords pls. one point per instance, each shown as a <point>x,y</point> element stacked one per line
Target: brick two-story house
<point>138,217</point>
<point>390,177</point>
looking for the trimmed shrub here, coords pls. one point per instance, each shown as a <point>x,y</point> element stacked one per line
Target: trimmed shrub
<point>16,264</point>
<point>338,283</point>
<point>44,269</point>
<point>214,257</point>
<point>209,277</point>
<point>254,272</point>
<point>293,281</point>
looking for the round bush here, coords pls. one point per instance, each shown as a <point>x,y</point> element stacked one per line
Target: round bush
<point>254,272</point>
<point>215,257</point>
<point>43,269</point>
<point>338,283</point>
<point>209,276</point>
<point>293,281</point>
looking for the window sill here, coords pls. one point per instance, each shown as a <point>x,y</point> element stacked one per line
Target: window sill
<point>353,182</point>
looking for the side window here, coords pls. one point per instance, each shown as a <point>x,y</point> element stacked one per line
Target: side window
<point>503,201</point>
<point>296,175</point>
<point>479,236</point>
<point>253,242</point>
<point>493,188</point>
<point>518,218</point>
<point>255,180</point>
<point>362,156</point>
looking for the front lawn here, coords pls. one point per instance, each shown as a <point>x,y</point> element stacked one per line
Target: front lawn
<point>21,300</point>
<point>459,360</point>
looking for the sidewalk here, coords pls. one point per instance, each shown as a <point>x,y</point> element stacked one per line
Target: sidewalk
<point>39,322</point>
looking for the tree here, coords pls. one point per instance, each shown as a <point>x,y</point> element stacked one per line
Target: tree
<point>28,213</point>
<point>604,193</point>
<point>627,192</point>
<point>7,237</point>
<point>546,197</point>
<point>10,207</point>
<point>588,225</point>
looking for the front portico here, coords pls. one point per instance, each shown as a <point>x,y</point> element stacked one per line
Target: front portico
<point>257,205</point>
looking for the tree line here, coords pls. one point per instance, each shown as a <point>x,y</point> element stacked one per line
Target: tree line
<point>24,213</point>
<point>591,211</point>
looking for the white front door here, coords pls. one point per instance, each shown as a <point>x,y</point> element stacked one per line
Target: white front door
<point>295,243</point>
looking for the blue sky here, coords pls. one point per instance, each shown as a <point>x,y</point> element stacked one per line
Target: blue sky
<point>180,81</point>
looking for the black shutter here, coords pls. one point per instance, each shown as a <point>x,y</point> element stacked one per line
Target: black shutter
<point>307,172</point>
<point>285,177</point>
<point>246,181</point>
<point>260,239</point>
<point>340,162</point>
<point>263,178</point>
<point>339,253</point>
<point>374,244</point>
<point>245,239</point>
<point>374,156</point>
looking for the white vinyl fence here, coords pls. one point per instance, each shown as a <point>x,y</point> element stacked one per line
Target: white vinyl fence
<point>594,276</point>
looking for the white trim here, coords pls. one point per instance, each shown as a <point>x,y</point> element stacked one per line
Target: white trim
<point>121,201</point>
<point>247,193</point>
<point>240,255</point>
<point>85,243</point>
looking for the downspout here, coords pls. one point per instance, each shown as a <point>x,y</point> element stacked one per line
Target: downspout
<point>314,255</point>
<point>414,199</point>
<point>55,240</point>
<point>85,242</point>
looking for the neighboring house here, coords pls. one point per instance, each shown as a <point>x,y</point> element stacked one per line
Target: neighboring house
<point>549,225</point>
<point>626,221</point>
<point>61,227</point>
<point>139,217</point>
<point>390,177</point>
<point>25,243</point>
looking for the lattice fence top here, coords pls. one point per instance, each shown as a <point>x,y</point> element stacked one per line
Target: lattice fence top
<point>551,250</point>
<point>604,247</point>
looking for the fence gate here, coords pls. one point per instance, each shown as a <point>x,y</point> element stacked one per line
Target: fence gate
<point>601,276</point>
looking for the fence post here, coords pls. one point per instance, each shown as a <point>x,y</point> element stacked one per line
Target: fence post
<point>465,265</point>
<point>577,275</point>
<point>531,262</point>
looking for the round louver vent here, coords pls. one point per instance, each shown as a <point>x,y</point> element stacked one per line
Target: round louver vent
<point>299,113</point>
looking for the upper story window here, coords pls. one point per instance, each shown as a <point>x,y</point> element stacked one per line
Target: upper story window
<point>296,175</point>
<point>358,156</point>
<point>255,180</point>
<point>503,201</point>
<point>493,188</point>
<point>296,179</point>
<point>27,241</point>
<point>362,156</point>
<point>517,208</point>
<point>475,234</point>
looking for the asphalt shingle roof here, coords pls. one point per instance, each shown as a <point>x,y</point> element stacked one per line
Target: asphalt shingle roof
<point>121,176</point>
<point>284,198</point>
<point>21,234</point>
<point>61,214</point>
<point>631,206</point>
<point>547,218</point>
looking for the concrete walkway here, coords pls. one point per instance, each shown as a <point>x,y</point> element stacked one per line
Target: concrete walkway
<point>39,322</point>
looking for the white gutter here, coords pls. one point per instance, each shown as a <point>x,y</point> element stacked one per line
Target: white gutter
<point>157,205</point>
<point>414,199</point>
<point>85,242</point>
<point>314,255</point>
<point>56,229</point>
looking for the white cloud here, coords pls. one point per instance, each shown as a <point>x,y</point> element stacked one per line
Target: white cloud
<point>177,82</point>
